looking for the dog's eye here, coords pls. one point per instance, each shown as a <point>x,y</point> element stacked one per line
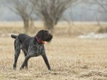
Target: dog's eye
<point>46,31</point>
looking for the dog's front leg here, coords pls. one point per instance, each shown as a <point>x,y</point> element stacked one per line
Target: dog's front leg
<point>46,61</point>
<point>25,61</point>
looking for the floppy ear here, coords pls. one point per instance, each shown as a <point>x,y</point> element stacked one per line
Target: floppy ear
<point>40,35</point>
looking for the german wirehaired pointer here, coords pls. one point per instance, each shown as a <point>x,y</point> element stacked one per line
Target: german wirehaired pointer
<point>31,46</point>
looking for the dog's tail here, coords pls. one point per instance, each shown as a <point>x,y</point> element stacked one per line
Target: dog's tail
<point>13,36</point>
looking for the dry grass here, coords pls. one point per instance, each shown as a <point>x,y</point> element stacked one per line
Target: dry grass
<point>70,59</point>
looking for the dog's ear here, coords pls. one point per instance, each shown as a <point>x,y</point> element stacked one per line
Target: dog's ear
<point>40,34</point>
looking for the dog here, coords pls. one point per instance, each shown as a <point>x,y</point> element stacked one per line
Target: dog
<point>31,46</point>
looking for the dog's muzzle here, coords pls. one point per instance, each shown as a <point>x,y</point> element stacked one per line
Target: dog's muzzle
<point>49,37</point>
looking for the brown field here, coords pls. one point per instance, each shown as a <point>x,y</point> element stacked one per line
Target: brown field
<point>70,58</point>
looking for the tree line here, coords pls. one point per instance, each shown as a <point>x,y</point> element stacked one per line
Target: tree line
<point>49,11</point>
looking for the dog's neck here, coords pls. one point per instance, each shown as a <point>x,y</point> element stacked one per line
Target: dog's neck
<point>39,41</point>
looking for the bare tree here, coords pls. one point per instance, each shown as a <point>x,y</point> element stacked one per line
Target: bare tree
<point>22,8</point>
<point>50,11</point>
<point>102,4</point>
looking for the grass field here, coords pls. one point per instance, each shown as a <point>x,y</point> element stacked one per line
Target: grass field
<point>70,58</point>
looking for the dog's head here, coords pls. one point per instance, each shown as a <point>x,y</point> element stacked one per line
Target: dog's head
<point>44,35</point>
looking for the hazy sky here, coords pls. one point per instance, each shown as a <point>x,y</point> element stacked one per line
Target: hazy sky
<point>80,12</point>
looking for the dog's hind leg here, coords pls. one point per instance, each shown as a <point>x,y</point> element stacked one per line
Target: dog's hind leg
<point>16,55</point>
<point>17,52</point>
<point>26,64</point>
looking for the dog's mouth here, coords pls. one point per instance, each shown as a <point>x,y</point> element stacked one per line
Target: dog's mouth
<point>43,42</point>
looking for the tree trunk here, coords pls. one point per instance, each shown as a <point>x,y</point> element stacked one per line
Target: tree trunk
<point>26,25</point>
<point>49,26</point>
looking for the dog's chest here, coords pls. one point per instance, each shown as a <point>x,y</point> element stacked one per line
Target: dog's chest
<point>36,50</point>
<point>31,47</point>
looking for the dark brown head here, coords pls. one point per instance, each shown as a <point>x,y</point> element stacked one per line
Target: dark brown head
<point>44,35</point>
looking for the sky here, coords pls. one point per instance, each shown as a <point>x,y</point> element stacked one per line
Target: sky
<point>80,12</point>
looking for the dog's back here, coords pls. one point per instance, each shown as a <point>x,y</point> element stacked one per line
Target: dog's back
<point>21,37</point>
